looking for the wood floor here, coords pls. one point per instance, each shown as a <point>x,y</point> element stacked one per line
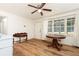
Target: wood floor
<point>35,47</point>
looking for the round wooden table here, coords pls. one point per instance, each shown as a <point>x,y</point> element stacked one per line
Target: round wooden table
<point>55,38</point>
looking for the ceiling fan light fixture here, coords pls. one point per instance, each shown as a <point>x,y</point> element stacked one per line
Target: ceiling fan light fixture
<point>39,10</point>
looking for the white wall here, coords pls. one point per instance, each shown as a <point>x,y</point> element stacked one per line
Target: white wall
<point>77,29</point>
<point>72,38</point>
<point>0,26</point>
<point>16,24</point>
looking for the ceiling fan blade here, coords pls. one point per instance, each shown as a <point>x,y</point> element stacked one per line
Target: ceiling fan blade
<point>41,13</point>
<point>34,11</point>
<point>47,9</point>
<point>32,6</point>
<point>42,5</point>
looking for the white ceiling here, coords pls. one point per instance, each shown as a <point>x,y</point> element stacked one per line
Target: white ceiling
<point>25,11</point>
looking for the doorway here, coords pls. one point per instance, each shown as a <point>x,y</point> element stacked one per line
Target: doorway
<point>3,25</point>
<point>38,30</point>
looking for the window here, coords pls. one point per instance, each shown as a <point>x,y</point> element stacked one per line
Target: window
<point>70,24</point>
<point>49,26</point>
<point>62,25</point>
<point>59,25</point>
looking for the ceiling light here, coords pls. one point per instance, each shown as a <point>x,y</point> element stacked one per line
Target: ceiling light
<point>39,10</point>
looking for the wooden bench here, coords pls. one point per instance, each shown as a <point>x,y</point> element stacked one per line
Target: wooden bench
<point>19,35</point>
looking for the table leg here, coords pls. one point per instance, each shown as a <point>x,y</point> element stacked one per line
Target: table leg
<point>19,39</point>
<point>13,40</point>
<point>26,38</point>
<point>55,44</point>
<point>59,44</point>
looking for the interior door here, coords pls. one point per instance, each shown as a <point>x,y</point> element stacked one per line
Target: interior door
<point>38,30</point>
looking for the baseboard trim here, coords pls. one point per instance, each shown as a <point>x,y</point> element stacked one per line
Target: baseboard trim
<point>71,46</point>
<point>76,46</point>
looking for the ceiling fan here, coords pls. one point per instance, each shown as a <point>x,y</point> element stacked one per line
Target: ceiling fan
<point>39,8</point>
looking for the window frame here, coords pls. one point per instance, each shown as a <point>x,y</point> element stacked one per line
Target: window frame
<point>50,26</point>
<point>60,20</point>
<point>70,26</point>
